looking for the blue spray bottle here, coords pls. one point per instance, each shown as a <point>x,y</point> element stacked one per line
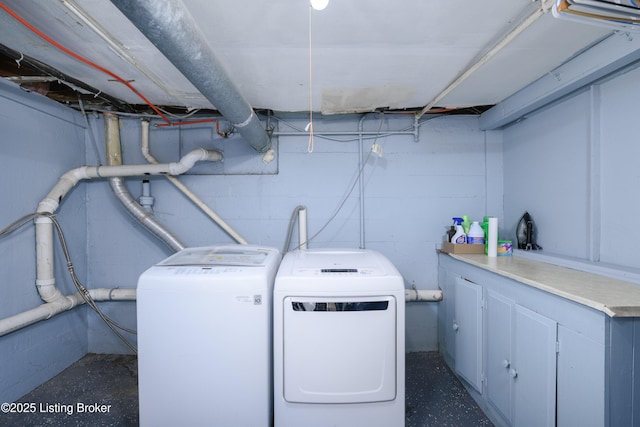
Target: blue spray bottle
<point>452,229</point>
<point>460,237</point>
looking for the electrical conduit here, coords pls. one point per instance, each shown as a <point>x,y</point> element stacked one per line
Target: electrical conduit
<point>361,162</point>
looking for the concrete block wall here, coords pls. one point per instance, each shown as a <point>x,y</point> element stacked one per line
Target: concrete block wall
<point>410,194</point>
<point>40,141</point>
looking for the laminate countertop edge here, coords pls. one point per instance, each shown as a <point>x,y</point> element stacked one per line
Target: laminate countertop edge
<point>613,297</point>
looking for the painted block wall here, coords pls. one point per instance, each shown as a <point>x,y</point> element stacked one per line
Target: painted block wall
<point>40,141</point>
<point>411,193</point>
<point>574,167</point>
<point>547,173</point>
<point>619,174</point>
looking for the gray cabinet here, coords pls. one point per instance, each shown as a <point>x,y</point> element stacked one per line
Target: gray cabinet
<point>521,362</point>
<point>498,344</point>
<point>581,387</point>
<point>460,326</point>
<point>533,369</point>
<point>467,327</point>
<point>446,315</point>
<point>532,358</point>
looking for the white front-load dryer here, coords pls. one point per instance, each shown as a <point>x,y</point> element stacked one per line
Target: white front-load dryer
<point>204,338</point>
<point>338,340</point>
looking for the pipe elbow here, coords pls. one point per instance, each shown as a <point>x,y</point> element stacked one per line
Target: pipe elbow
<point>187,161</point>
<point>190,159</point>
<point>64,303</point>
<point>56,301</point>
<point>48,291</point>
<point>214,156</point>
<point>48,205</point>
<point>70,301</point>
<point>72,177</point>
<point>66,182</point>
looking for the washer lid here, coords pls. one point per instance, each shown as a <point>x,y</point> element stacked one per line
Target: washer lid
<point>220,256</point>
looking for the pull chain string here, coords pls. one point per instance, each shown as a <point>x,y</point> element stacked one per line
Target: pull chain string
<point>310,144</point>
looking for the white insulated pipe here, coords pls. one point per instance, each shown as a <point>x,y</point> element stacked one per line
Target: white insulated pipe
<point>113,150</point>
<point>67,181</point>
<point>55,301</point>
<point>45,280</point>
<point>411,295</point>
<point>42,312</point>
<point>185,190</point>
<point>302,229</point>
<point>44,227</point>
<point>50,309</point>
<point>501,44</point>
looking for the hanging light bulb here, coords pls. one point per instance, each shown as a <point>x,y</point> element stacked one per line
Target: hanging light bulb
<point>319,4</point>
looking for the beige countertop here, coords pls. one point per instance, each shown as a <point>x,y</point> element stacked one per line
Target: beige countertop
<point>611,296</point>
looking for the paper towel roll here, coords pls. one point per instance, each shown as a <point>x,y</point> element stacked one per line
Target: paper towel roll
<point>492,237</point>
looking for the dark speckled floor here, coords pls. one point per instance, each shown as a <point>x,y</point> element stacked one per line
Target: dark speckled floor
<point>108,383</point>
<point>435,397</point>
<point>96,379</point>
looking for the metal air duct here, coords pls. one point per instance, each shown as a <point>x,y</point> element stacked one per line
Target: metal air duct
<point>172,29</point>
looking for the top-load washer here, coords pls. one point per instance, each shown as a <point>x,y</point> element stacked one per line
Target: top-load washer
<point>339,317</point>
<point>204,338</point>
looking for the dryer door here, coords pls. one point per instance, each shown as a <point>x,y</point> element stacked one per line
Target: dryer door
<point>339,350</point>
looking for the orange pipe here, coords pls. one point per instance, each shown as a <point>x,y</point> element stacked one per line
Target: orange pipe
<point>81,58</point>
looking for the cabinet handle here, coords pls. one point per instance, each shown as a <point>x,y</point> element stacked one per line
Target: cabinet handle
<point>455,326</point>
<point>513,373</point>
<point>506,364</point>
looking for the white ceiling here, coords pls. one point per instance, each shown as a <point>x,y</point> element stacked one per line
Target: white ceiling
<point>362,55</point>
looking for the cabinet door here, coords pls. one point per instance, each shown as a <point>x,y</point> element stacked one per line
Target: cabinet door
<point>467,325</point>
<point>534,369</point>
<point>498,342</point>
<point>581,381</point>
<point>448,333</point>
